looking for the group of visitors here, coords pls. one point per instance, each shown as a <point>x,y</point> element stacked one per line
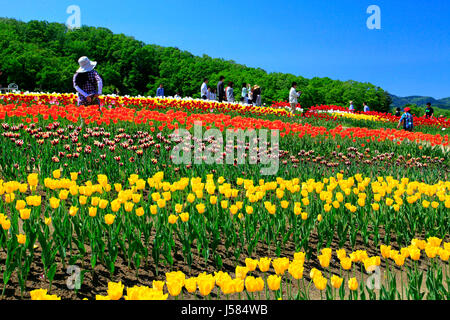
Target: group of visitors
<point>249,94</point>
<point>88,83</point>
<point>206,92</point>
<point>366,107</point>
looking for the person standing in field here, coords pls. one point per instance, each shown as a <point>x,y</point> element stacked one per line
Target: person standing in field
<point>88,83</point>
<point>230,92</point>
<point>293,97</point>
<point>221,89</point>
<point>204,89</point>
<point>160,91</point>
<point>244,93</point>
<point>366,107</point>
<point>258,99</point>
<point>250,94</point>
<point>208,94</point>
<point>407,120</point>
<point>398,112</point>
<point>213,95</point>
<point>429,111</point>
<point>352,107</point>
<point>256,95</point>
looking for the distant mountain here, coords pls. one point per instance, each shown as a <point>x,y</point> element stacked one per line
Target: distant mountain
<point>420,101</point>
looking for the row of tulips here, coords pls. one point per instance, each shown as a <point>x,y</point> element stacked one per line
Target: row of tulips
<point>256,280</point>
<point>344,112</point>
<point>136,149</point>
<point>144,102</point>
<point>173,120</point>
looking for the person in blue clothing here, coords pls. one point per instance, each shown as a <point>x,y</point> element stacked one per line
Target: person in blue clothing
<point>407,120</point>
<point>366,107</point>
<point>352,107</point>
<point>160,91</point>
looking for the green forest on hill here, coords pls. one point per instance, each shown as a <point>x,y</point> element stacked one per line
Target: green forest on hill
<point>43,56</point>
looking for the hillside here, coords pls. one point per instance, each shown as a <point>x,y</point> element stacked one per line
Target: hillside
<point>420,101</point>
<point>39,55</point>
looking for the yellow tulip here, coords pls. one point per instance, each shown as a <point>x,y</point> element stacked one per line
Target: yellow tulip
<point>109,219</point>
<point>336,281</point>
<point>296,269</point>
<point>115,290</point>
<point>281,265</point>
<point>32,179</point>
<point>57,174</point>
<point>251,264</point>
<point>213,200</point>
<point>264,264</point>
<point>273,282</point>
<point>6,224</point>
<point>191,198</point>
<point>200,208</point>
<point>224,204</point>
<point>346,263</point>
<point>25,214</point>
<point>47,221</point>
<point>54,203</point>
<point>320,283</point>
<point>173,219</point>
<point>205,284</point>
<point>174,287</point>
<point>184,216</point>
<point>191,285</point>
<point>73,211</point>
<point>353,284</point>
<point>21,238</point>
<point>92,212</point>
<point>140,212</point>
<point>83,200</point>
<point>324,260</point>
<point>103,203</point>
<point>20,204</point>
<point>178,208</point>
<point>241,272</point>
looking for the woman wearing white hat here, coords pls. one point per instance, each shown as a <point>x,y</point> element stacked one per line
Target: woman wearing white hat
<point>88,83</point>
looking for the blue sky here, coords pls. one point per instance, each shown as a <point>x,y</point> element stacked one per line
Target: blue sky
<point>410,55</point>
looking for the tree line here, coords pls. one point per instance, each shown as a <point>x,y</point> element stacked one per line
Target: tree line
<point>43,56</point>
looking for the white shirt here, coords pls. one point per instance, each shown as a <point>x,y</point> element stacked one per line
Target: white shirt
<point>204,89</point>
<point>293,96</point>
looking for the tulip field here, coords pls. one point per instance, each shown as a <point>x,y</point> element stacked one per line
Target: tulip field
<point>99,210</point>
